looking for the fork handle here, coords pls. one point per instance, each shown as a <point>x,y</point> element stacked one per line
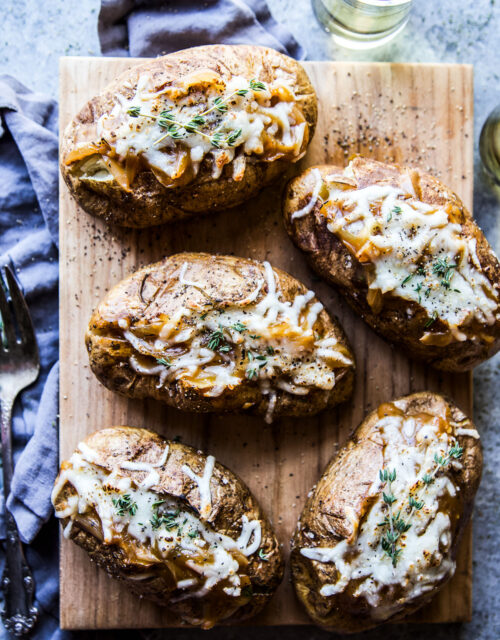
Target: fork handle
<point>19,614</point>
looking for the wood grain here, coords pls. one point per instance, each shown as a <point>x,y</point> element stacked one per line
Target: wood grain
<point>415,114</point>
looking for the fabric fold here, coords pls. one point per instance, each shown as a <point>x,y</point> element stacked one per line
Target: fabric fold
<point>36,467</point>
<point>28,234</point>
<point>148,28</point>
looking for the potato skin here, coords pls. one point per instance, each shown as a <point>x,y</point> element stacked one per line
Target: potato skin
<point>231,499</point>
<point>331,259</point>
<point>336,506</point>
<point>228,279</point>
<point>150,203</point>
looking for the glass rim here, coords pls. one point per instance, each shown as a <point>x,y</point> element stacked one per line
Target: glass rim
<point>378,3</point>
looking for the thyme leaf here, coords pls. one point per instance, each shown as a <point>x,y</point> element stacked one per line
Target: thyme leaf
<point>444,269</point>
<point>124,504</point>
<point>232,137</point>
<point>431,320</point>
<point>395,524</point>
<point>255,85</point>
<point>263,555</point>
<point>167,520</point>
<point>176,129</point>
<point>135,112</point>
<point>166,362</point>
<point>220,105</point>
<point>239,327</point>
<point>217,341</point>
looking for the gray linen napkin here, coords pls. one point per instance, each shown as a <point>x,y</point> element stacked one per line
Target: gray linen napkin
<point>28,238</point>
<point>142,28</point>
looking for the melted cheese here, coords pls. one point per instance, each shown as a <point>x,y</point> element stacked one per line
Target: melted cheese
<point>153,476</point>
<point>211,557</point>
<point>471,433</point>
<point>270,341</point>
<point>405,240</point>
<point>300,213</point>
<point>269,123</point>
<point>250,536</point>
<point>425,559</point>
<point>203,483</point>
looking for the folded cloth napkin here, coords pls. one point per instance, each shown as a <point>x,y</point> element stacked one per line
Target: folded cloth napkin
<point>28,238</point>
<point>142,28</point>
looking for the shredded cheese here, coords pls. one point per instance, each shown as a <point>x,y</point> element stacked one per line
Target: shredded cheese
<point>250,531</point>
<point>153,476</point>
<point>418,253</point>
<point>472,433</point>
<point>203,483</point>
<point>300,213</point>
<point>425,559</point>
<point>269,341</point>
<point>268,124</point>
<point>159,525</point>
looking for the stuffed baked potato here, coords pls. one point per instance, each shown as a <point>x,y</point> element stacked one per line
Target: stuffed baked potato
<point>173,524</point>
<point>406,254</point>
<point>379,534</point>
<point>219,333</point>
<point>194,131</point>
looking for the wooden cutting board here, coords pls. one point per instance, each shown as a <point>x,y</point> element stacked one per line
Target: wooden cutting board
<point>415,114</point>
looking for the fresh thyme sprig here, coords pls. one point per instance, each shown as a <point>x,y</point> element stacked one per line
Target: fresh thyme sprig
<point>254,367</point>
<point>124,504</point>
<point>398,524</point>
<point>455,452</point>
<point>217,341</point>
<point>239,327</point>
<point>389,540</point>
<point>440,268</point>
<point>167,520</point>
<point>444,269</point>
<point>173,127</point>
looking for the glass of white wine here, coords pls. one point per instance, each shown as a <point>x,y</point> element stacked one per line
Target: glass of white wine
<point>489,145</point>
<point>362,24</point>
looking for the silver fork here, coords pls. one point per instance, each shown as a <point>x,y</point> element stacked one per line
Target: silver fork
<point>19,367</point>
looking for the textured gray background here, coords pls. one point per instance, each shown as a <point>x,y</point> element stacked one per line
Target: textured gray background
<point>36,32</point>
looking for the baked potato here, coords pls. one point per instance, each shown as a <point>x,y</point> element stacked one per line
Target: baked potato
<point>407,255</point>
<point>192,132</point>
<point>173,524</point>
<point>379,534</point>
<point>218,333</point>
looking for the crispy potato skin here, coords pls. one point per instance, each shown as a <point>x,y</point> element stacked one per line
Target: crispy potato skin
<point>331,259</point>
<point>153,290</point>
<point>150,203</point>
<point>336,502</point>
<point>231,499</point>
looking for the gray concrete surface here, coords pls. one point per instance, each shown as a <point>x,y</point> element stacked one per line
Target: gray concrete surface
<point>35,33</point>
